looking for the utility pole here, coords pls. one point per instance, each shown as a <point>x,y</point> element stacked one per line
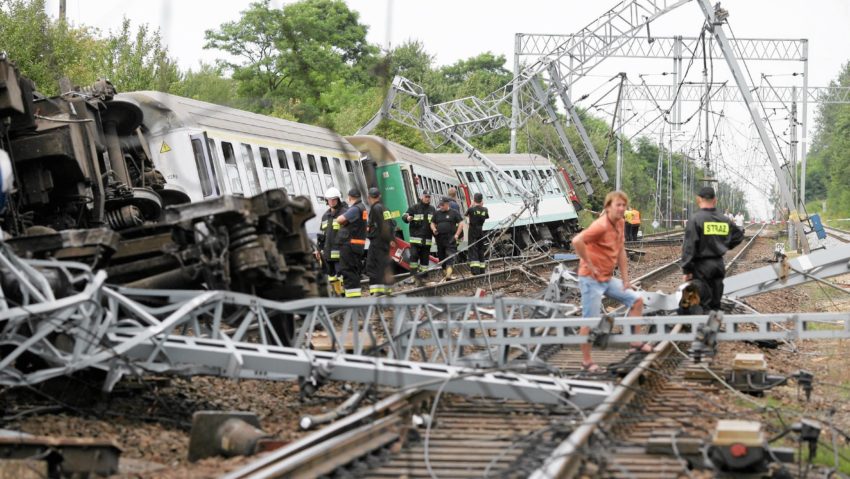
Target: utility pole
<point>792,161</point>
<point>716,20</point>
<point>62,10</point>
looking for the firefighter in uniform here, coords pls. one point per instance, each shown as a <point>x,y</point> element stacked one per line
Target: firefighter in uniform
<point>352,243</point>
<point>327,238</point>
<point>447,226</point>
<point>708,236</point>
<point>419,216</point>
<point>477,214</point>
<point>380,229</point>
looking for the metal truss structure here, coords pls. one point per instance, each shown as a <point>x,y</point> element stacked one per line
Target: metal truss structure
<point>776,49</point>
<point>722,92</point>
<point>59,318</point>
<point>471,116</point>
<point>407,103</point>
<point>675,48</point>
<point>715,19</point>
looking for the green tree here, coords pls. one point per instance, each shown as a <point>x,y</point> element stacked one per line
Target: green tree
<point>45,50</point>
<point>138,61</point>
<point>829,156</point>
<point>208,83</point>
<point>289,57</point>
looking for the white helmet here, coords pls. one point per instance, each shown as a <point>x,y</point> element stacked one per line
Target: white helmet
<point>332,193</point>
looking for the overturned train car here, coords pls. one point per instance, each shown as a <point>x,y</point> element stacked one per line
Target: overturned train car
<point>88,188</point>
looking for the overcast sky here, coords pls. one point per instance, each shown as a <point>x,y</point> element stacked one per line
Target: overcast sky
<point>458,29</point>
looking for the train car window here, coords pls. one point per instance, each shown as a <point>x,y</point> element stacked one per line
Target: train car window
<point>516,174</point>
<point>200,164</point>
<point>300,176</point>
<point>215,166</point>
<point>470,180</point>
<point>251,167</point>
<point>232,170</point>
<point>495,183</point>
<point>547,180</point>
<point>284,172</point>
<point>340,177</point>
<point>314,177</point>
<point>266,160</point>
<point>408,190</point>
<point>326,169</point>
<point>349,169</point>
<point>485,188</point>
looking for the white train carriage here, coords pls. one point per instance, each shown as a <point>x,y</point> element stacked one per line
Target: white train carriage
<point>241,153</point>
<point>555,219</point>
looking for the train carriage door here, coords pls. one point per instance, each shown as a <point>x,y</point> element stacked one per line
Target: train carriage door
<point>339,175</point>
<point>285,173</point>
<point>204,165</point>
<point>300,175</point>
<point>369,173</point>
<point>314,177</point>
<point>233,174</point>
<point>268,169</point>
<point>251,168</point>
<point>350,174</point>
<point>410,193</point>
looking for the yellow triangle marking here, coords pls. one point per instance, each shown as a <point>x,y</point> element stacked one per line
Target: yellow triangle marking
<point>165,148</point>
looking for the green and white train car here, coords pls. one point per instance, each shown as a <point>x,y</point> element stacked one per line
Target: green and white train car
<point>402,174</point>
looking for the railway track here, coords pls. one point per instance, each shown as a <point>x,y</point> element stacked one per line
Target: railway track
<point>840,235</point>
<point>660,404</point>
<point>468,437</point>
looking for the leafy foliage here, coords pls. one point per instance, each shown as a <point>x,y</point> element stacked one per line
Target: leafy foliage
<point>295,53</point>
<point>310,61</point>
<point>829,157</point>
<point>138,61</point>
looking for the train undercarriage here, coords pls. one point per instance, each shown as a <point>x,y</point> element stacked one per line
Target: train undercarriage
<point>87,190</point>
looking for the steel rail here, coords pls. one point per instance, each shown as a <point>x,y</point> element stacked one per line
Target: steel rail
<point>566,459</point>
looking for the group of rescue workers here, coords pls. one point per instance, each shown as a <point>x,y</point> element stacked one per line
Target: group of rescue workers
<point>346,226</point>
<point>601,248</point>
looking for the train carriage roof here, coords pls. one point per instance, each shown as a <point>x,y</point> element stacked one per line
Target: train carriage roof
<point>164,112</point>
<point>384,152</point>
<point>462,160</point>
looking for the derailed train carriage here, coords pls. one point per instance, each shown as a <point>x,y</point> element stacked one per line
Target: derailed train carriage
<point>194,189</point>
<point>88,188</point>
<point>402,174</point>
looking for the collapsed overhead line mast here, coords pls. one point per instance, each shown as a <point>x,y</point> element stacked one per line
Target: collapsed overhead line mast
<point>575,56</point>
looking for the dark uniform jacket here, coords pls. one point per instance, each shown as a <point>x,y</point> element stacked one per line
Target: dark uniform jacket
<point>477,215</point>
<point>446,222</point>
<point>329,232</point>
<point>354,231</point>
<point>708,235</point>
<point>381,225</point>
<point>420,222</point>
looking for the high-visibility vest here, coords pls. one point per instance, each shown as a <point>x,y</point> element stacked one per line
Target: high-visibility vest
<point>635,217</point>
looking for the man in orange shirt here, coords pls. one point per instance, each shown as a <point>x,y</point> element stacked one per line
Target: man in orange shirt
<point>600,248</point>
